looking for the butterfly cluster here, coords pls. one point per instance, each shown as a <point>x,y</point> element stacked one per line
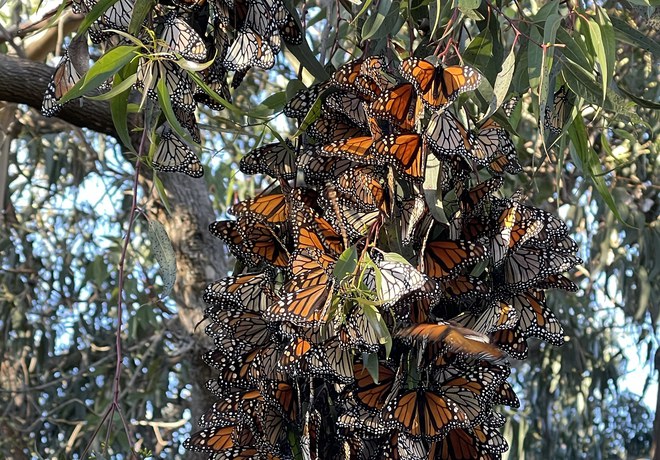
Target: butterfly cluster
<point>177,35</point>
<point>363,322</point>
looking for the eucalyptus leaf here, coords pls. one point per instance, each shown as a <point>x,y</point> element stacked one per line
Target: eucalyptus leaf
<point>162,249</point>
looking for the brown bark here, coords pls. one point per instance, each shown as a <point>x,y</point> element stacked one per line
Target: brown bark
<point>201,258</point>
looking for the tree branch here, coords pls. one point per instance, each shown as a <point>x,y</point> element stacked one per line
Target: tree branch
<point>24,82</point>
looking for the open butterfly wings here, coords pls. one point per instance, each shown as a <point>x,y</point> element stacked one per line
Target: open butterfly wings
<point>471,301</point>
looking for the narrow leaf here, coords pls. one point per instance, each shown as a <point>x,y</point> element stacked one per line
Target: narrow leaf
<point>587,159</point>
<point>107,66</point>
<point>502,83</point>
<point>161,246</point>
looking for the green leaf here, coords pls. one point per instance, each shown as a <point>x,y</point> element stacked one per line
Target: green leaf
<point>301,55</point>
<point>377,323</point>
<point>627,34</point>
<point>313,114</point>
<point>166,106</point>
<point>587,160</point>
<point>469,4</point>
<point>107,66</point>
<point>346,264</point>
<point>640,101</point>
<point>502,83</point>
<point>95,13</point>
<point>117,89</point>
<point>575,49</point>
<point>140,11</point>
<point>370,361</point>
<point>479,52</point>
<point>119,104</point>
<point>162,193</point>
<point>162,249</point>
<point>596,43</point>
<point>432,191</point>
<point>275,101</point>
<point>374,22</point>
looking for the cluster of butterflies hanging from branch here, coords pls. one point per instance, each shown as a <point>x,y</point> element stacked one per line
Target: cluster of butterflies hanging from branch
<point>368,318</point>
<point>176,37</point>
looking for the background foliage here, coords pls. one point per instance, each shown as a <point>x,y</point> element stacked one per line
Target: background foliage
<point>66,193</point>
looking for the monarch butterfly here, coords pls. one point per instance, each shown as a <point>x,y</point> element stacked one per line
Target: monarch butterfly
<point>369,391</point>
<point>326,130</point>
<point>218,439</point>
<point>300,105</point>
<point>252,241</point>
<point>398,105</point>
<point>346,75</point>
<point>399,446</point>
<point>523,268</point>
<point>413,213</point>
<point>117,16</point>
<point>232,410</point>
<point>215,78</point>
<point>406,153</point>
<point>249,49</point>
<point>180,38</point>
<point>446,136</point>
<point>276,160</point>
<point>366,421</point>
<point>355,223</point>
<point>512,342</point>
<point>504,163</point>
<point>491,139</point>
<point>173,155</point>
<point>457,339</point>
<point>439,86</point>
<point>499,315</point>
<point>555,116</point>
<point>357,332</point>
<point>348,105</point>
<point>307,295</point>
<point>271,429</point>
<point>363,187</point>
<point>511,229</point>
<point>475,196</point>
<point>328,358</point>
<point>536,319</point>
<point>177,82</point>
<point>273,209</point>
<point>424,413</point>
<point>463,286</point>
<point>505,396</point>
<point>250,292</point>
<point>443,259</point>
<point>358,149</point>
<point>63,79</point>
<point>315,232</point>
<point>288,27</point>
<point>262,17</point>
<point>319,170</point>
<point>243,332</point>
<point>244,371</point>
<point>480,441</point>
<point>188,121</point>
<point>281,396</point>
<point>557,282</point>
<point>395,280</point>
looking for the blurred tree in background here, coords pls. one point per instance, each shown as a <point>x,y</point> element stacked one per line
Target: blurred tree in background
<point>67,187</point>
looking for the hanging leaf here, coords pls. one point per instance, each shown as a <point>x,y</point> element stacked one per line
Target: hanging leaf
<point>162,249</point>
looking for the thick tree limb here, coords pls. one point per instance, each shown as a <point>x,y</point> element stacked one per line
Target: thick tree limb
<point>24,82</point>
